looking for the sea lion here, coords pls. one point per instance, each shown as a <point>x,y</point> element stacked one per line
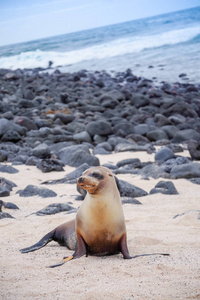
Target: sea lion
<point>99,227</point>
<point>100,223</point>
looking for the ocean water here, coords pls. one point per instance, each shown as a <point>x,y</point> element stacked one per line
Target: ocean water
<point>160,48</point>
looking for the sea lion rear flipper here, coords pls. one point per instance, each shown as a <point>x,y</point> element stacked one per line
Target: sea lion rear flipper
<point>65,259</point>
<point>146,254</point>
<point>80,251</point>
<point>43,242</point>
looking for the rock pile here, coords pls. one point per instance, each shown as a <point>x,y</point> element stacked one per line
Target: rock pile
<point>50,120</point>
<point>58,119</point>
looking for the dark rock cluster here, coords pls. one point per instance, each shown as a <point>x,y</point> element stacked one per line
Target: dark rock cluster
<point>32,190</point>
<point>50,120</point>
<point>8,205</point>
<point>53,120</point>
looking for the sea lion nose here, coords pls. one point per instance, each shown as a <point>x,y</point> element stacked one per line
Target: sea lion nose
<point>80,180</point>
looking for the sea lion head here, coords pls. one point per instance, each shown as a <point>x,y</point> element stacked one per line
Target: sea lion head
<point>96,179</point>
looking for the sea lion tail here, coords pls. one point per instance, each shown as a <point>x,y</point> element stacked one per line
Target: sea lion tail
<point>43,242</point>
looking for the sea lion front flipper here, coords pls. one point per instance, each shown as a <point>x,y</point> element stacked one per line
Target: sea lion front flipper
<point>124,248</point>
<point>81,247</point>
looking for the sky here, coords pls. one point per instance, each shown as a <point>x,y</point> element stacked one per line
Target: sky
<point>27,20</point>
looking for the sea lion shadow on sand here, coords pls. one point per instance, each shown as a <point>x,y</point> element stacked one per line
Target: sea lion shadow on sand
<point>99,227</point>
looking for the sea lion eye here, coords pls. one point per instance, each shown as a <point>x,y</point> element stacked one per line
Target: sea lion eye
<point>97,175</point>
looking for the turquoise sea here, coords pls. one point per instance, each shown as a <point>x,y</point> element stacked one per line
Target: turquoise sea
<point>160,47</point>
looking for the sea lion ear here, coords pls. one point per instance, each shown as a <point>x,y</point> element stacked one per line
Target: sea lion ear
<point>117,183</point>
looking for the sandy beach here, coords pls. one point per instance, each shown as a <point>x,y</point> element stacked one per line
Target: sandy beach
<point>120,90</point>
<point>151,228</point>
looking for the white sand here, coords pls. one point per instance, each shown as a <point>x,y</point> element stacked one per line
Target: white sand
<point>150,228</point>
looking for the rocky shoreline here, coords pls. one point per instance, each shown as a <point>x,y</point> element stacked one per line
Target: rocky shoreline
<point>58,119</point>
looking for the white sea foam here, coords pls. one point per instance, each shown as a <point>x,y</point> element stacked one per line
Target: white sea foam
<point>136,44</point>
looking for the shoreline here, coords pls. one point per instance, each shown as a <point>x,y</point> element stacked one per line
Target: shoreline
<point>157,72</point>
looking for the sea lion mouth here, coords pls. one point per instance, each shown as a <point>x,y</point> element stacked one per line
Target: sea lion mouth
<point>87,186</point>
<point>87,183</point>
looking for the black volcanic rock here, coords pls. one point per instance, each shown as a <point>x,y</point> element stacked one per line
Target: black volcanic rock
<point>164,154</point>
<point>4,215</point>
<point>83,136</point>
<point>6,185</point>
<point>194,149</point>
<point>89,108</point>
<point>129,161</point>
<point>49,165</point>
<point>139,100</point>
<point>129,190</point>
<point>186,135</point>
<point>8,169</point>
<point>64,117</point>
<point>25,122</point>
<point>80,157</point>
<point>66,154</point>
<point>156,135</point>
<point>99,127</point>
<point>41,151</point>
<point>153,170</point>
<point>54,208</point>
<point>189,170</point>
<point>6,125</point>
<point>32,190</point>
<point>164,187</point>
<point>129,200</point>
